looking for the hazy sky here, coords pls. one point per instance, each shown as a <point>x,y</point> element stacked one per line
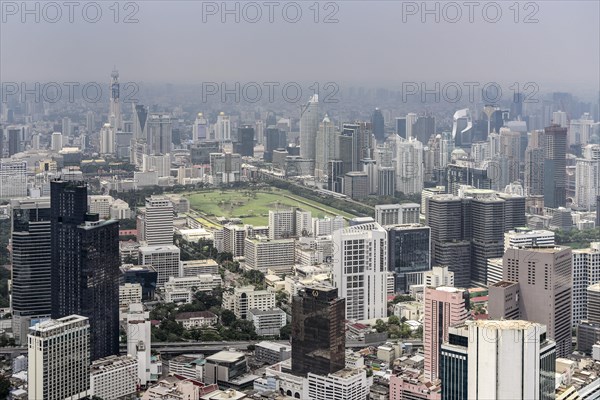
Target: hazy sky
<point>370,45</point>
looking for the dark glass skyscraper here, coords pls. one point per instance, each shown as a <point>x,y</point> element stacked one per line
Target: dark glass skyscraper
<point>245,143</point>
<point>378,125</point>
<point>409,249</point>
<point>31,263</point>
<point>318,332</point>
<point>555,164</point>
<point>85,266</point>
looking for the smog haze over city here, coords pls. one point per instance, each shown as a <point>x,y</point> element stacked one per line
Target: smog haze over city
<point>316,200</point>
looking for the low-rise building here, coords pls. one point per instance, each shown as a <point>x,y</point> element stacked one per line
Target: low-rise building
<point>198,267</point>
<point>178,296</point>
<point>267,322</point>
<point>129,293</point>
<point>197,319</point>
<point>113,377</point>
<point>245,298</point>
<point>271,352</point>
<point>346,384</point>
<point>187,366</point>
<point>203,283</point>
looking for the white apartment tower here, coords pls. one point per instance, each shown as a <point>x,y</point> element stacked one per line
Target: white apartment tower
<point>587,177</point>
<point>107,139</point>
<point>309,125</point>
<point>139,340</point>
<point>360,270</point>
<point>223,128</point>
<point>510,359</point>
<point>59,359</point>
<point>158,221</point>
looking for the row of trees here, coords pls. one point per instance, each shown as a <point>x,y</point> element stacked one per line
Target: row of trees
<point>577,238</point>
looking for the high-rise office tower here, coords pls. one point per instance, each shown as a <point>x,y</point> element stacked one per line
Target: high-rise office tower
<point>309,125</point>
<point>335,179</point>
<point>401,127</point>
<point>444,306</point>
<point>159,133</point>
<point>360,270</point>
<point>411,120</point>
<point>542,279</point>
<point>510,149</point>
<point>534,171</point>
<point>318,331</point>
<point>423,128</point>
<point>450,236</point>
<point>31,264</point>
<point>378,125</point>
<point>355,144</point>
<point>498,360</point>
<point>245,143</point>
<point>66,127</point>
<point>462,128</point>
<point>200,129</point>
<point>107,139</point>
<point>587,177</point>
<point>409,254</point>
<point>462,240</point>
<point>14,140</point>
<point>386,181</point>
<point>275,139</point>
<point>555,147</point>
<point>560,118</point>
<point>59,359</point>
<point>140,117</point>
<point>85,265</point>
<point>409,165</point>
<point>158,221</point>
<point>326,146</point>
<point>223,128</point>
<point>90,122</point>
<point>114,113</point>
<point>56,143</point>
<point>581,130</point>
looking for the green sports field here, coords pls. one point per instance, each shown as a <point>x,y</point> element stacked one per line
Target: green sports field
<point>252,207</point>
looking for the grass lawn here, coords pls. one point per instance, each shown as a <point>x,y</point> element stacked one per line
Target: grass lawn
<point>253,207</point>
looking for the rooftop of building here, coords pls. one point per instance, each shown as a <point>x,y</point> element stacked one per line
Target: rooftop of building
<point>226,356</point>
<point>111,363</point>
<point>195,314</point>
<point>274,346</point>
<point>504,284</point>
<point>255,311</point>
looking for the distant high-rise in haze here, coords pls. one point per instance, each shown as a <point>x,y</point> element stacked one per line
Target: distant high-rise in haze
<point>140,117</point>
<point>107,139</point>
<point>31,264</point>
<point>378,125</point>
<point>401,127</point>
<point>245,141</point>
<point>160,133</point>
<point>318,331</point>
<point>309,124</point>
<point>223,128</point>
<point>326,147</point>
<point>555,163</point>
<point>114,112</point>
<point>85,265</point>
<point>200,129</point>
